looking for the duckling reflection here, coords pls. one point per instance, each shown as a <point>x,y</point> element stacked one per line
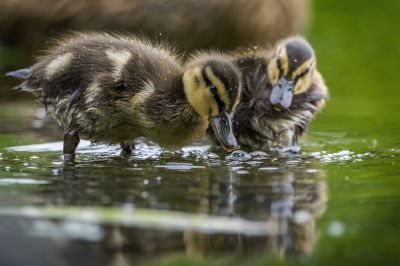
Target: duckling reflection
<point>288,200</point>
<point>292,200</point>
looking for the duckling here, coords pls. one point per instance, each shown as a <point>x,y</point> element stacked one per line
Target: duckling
<point>113,88</point>
<point>282,92</point>
<point>191,24</point>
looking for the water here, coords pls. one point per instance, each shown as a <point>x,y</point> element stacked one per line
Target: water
<point>337,200</point>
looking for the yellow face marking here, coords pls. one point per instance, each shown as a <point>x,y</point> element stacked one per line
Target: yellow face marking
<point>219,85</point>
<point>59,64</point>
<point>303,83</point>
<point>284,61</point>
<point>119,60</point>
<point>198,94</point>
<point>303,67</point>
<point>273,72</point>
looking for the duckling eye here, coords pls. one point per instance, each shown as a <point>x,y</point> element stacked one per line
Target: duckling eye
<point>304,73</point>
<point>213,90</point>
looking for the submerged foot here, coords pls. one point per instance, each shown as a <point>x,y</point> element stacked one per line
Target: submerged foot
<point>127,148</point>
<point>68,157</point>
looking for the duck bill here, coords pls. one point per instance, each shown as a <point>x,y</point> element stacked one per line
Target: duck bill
<point>222,127</point>
<point>282,93</point>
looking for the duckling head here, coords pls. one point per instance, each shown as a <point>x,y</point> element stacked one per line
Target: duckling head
<point>212,86</point>
<point>290,71</point>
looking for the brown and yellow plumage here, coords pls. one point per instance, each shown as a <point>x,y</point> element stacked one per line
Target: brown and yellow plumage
<point>112,89</point>
<point>282,93</point>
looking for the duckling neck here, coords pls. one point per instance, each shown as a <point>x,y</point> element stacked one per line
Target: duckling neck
<point>173,121</point>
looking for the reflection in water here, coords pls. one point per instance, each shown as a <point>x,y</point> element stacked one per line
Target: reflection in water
<point>289,199</point>
<point>286,195</point>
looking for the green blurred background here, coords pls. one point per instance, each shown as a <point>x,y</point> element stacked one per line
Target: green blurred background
<point>358,48</point>
<point>357,44</point>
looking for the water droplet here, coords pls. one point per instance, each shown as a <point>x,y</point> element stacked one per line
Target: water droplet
<point>242,172</point>
<point>336,229</point>
<point>268,168</point>
<point>302,217</point>
<point>312,171</point>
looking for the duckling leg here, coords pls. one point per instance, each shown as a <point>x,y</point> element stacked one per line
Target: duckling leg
<point>127,147</point>
<point>71,141</point>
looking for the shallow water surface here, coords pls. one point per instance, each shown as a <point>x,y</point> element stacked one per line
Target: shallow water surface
<point>336,200</point>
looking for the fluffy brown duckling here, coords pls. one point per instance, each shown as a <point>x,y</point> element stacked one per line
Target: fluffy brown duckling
<point>282,93</point>
<point>112,89</point>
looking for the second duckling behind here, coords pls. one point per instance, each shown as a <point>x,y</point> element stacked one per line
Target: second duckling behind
<point>282,92</point>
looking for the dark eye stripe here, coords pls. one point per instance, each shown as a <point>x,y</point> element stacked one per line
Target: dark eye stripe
<point>205,77</point>
<point>279,64</point>
<point>304,73</point>
<point>213,90</point>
